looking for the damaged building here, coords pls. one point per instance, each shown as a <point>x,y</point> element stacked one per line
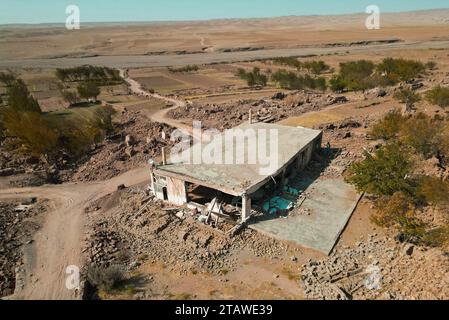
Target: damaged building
<point>236,191</point>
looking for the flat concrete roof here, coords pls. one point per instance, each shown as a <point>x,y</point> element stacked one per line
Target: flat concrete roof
<point>247,177</point>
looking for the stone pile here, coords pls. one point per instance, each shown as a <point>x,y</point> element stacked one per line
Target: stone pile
<point>137,141</point>
<point>16,229</point>
<point>146,230</point>
<point>379,268</point>
<point>102,246</point>
<point>231,114</point>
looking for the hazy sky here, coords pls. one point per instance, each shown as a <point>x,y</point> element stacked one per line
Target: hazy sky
<point>43,11</point>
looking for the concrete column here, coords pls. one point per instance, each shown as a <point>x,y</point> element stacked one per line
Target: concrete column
<point>283,177</point>
<point>299,161</point>
<point>246,207</point>
<point>151,165</point>
<point>164,157</point>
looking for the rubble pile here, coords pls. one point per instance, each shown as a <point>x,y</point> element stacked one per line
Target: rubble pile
<point>21,169</point>
<point>378,269</point>
<point>203,91</point>
<point>135,142</point>
<point>103,245</point>
<point>13,163</point>
<point>143,229</point>
<point>344,143</point>
<point>229,115</point>
<point>16,229</point>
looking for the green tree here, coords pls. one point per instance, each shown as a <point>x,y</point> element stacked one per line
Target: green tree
<point>383,173</point>
<point>7,78</point>
<point>355,74</point>
<point>422,134</point>
<point>392,210</point>
<point>408,97</point>
<point>400,69</point>
<point>439,96</point>
<point>389,127</point>
<point>20,99</point>
<point>316,67</point>
<point>288,61</point>
<point>320,84</point>
<point>70,96</point>
<point>433,190</point>
<point>292,81</point>
<point>253,78</point>
<point>100,75</point>
<point>33,131</point>
<point>337,84</point>
<point>88,90</point>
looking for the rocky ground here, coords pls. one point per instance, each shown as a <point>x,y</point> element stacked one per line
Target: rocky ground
<point>376,267</point>
<point>129,235</point>
<point>23,169</point>
<point>136,140</point>
<point>379,268</point>
<point>11,164</point>
<point>280,106</point>
<point>343,144</point>
<point>18,222</point>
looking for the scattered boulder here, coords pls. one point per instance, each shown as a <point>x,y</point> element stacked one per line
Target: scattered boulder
<point>408,249</point>
<point>279,96</point>
<point>129,140</point>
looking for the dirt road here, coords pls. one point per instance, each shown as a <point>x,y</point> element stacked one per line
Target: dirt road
<point>161,115</point>
<point>58,243</point>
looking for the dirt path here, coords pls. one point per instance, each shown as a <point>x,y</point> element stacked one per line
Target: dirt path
<point>58,243</point>
<point>161,115</point>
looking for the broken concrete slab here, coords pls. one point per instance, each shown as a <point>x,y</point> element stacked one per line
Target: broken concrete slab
<point>330,203</point>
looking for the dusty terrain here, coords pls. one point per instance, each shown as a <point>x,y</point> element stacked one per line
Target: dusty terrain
<point>166,257</point>
<point>165,44</point>
<point>57,244</point>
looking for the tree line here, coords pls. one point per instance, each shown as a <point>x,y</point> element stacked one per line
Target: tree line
<point>363,74</point>
<point>283,78</point>
<point>390,177</point>
<point>33,132</point>
<point>89,79</point>
<point>352,76</point>
<point>100,75</point>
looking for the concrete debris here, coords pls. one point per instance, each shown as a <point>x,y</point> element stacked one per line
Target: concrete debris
<point>125,234</point>
<point>281,106</point>
<point>377,269</point>
<point>138,141</point>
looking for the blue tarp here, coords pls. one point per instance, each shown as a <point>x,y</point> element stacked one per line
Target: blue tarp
<point>276,204</point>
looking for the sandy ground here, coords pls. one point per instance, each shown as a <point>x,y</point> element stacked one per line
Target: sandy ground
<point>57,244</point>
<point>123,61</point>
<point>163,44</point>
<point>155,45</point>
<point>45,263</point>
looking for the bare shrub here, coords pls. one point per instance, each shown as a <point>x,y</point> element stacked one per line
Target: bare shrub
<point>105,278</point>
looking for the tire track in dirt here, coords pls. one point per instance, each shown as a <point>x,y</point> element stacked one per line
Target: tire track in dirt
<point>58,244</point>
